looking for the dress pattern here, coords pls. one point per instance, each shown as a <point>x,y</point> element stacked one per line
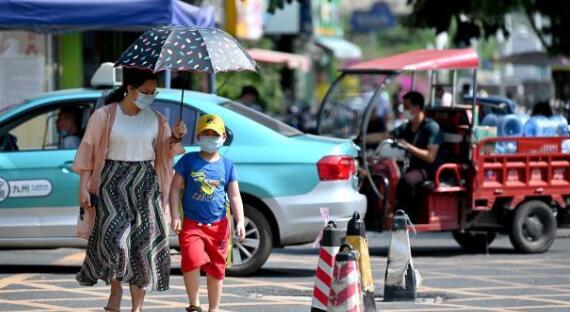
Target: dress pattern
<point>129,241</point>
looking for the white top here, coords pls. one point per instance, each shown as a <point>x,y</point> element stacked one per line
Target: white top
<point>133,137</point>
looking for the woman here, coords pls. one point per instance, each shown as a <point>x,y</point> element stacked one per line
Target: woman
<point>125,167</point>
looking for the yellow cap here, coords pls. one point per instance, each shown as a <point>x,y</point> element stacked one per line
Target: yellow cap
<point>211,122</point>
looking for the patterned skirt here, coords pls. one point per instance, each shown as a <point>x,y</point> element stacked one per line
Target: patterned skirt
<point>129,242</point>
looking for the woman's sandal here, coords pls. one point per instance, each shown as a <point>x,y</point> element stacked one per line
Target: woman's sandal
<point>107,308</point>
<point>193,308</point>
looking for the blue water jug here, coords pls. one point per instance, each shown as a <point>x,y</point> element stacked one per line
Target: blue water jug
<point>533,127</point>
<point>555,125</point>
<point>561,125</point>
<point>490,120</point>
<point>566,146</point>
<point>510,126</point>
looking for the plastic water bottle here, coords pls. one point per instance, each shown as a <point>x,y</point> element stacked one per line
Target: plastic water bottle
<point>561,124</point>
<point>533,127</point>
<point>509,126</point>
<point>566,146</point>
<point>490,120</point>
<point>524,118</point>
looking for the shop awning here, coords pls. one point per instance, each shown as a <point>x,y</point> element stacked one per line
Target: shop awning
<point>421,60</point>
<point>341,48</point>
<point>76,15</point>
<point>292,61</point>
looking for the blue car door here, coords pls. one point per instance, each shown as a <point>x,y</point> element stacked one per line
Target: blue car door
<point>38,190</point>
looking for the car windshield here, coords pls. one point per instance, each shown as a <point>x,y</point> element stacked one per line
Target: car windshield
<point>8,108</point>
<point>344,107</point>
<point>269,122</point>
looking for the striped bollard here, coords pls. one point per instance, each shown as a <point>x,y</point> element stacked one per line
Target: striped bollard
<point>330,244</point>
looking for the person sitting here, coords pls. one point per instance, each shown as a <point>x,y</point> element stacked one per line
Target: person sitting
<point>68,127</point>
<point>250,97</point>
<point>421,138</point>
<point>542,109</point>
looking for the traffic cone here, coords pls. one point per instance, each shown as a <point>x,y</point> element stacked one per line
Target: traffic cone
<point>330,244</point>
<point>356,237</point>
<point>400,283</point>
<point>346,293</point>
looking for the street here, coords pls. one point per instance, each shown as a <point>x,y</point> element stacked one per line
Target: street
<point>43,280</point>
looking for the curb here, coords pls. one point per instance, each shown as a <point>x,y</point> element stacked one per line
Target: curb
<point>563,233</point>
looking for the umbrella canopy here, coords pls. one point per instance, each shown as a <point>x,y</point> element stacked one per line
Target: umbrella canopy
<point>73,15</point>
<point>176,48</point>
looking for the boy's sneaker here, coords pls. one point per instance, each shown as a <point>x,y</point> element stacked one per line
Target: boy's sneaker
<point>193,308</point>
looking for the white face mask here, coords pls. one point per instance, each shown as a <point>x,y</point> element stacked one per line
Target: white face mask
<point>210,144</point>
<point>408,115</point>
<point>144,101</point>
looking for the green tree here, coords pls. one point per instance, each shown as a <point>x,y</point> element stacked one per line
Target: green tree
<point>267,81</point>
<point>275,5</point>
<point>485,18</point>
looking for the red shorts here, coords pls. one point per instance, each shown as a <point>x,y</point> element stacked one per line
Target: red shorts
<point>204,246</point>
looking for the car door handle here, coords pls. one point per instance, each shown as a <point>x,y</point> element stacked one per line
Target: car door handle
<point>67,166</point>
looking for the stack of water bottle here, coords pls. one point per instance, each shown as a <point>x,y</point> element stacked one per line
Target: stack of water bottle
<point>512,125</point>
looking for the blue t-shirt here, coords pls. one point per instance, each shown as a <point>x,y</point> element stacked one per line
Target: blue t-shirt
<point>204,198</point>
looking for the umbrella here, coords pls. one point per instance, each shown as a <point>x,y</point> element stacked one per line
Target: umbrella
<point>178,48</point>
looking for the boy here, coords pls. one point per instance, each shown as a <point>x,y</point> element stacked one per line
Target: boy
<point>203,235</point>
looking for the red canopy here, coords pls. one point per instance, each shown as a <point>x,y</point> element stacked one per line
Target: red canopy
<point>421,60</point>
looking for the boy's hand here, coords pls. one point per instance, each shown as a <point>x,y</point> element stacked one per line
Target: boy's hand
<point>240,231</point>
<point>176,225</point>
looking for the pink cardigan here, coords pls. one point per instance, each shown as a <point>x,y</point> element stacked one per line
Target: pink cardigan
<point>93,150</point>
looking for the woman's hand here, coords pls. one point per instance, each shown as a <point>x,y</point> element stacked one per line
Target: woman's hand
<point>85,198</point>
<point>179,130</point>
<point>176,224</point>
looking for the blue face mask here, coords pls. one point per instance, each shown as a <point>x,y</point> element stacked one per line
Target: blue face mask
<point>144,101</point>
<point>63,133</point>
<point>210,144</point>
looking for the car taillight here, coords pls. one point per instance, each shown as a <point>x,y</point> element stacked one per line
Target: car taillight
<point>332,168</point>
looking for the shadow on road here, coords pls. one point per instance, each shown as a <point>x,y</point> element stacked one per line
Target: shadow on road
<point>268,272</point>
<point>46,269</point>
<point>431,251</point>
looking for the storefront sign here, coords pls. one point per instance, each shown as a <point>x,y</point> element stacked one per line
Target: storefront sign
<point>327,19</point>
<point>379,16</point>
<point>283,21</point>
<point>22,66</point>
<point>244,18</point>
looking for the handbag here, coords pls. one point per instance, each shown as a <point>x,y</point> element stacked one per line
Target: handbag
<point>86,219</point>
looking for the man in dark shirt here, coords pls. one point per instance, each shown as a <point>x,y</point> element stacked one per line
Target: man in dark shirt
<point>421,138</point>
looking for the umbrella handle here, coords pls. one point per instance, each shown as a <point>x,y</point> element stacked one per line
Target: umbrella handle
<point>182,97</point>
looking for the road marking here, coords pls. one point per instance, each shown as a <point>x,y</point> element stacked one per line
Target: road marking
<point>30,303</point>
<point>73,259</point>
<point>498,297</point>
<point>14,279</point>
<point>539,307</point>
<point>450,307</point>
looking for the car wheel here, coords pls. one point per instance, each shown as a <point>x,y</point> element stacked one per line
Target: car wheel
<point>534,227</point>
<point>251,254</point>
<point>474,242</point>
